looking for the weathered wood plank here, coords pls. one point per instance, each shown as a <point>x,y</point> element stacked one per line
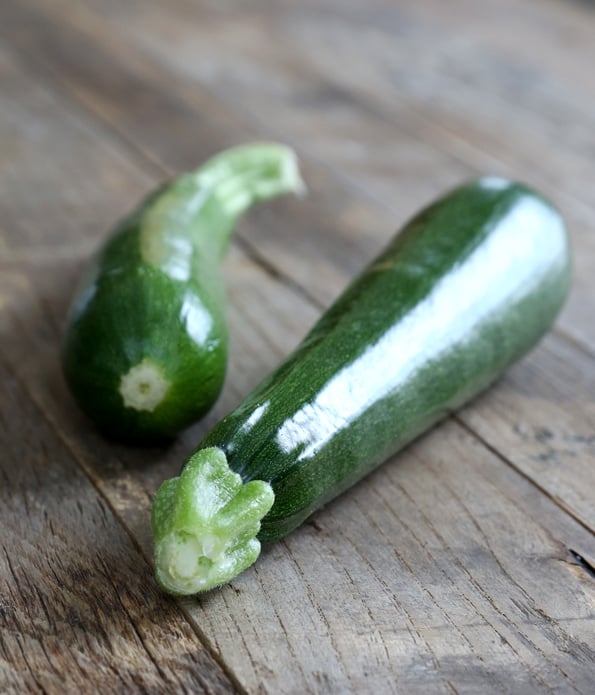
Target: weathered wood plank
<point>541,417</point>
<point>37,158</point>
<point>78,607</point>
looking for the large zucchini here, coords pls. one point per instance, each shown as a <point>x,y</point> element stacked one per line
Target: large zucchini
<point>469,286</point>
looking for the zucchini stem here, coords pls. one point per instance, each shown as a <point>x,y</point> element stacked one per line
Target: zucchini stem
<point>205,524</point>
<point>211,200</point>
<point>244,175</point>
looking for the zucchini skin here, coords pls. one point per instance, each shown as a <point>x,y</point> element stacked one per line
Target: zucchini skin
<point>145,349</point>
<point>125,311</point>
<point>468,287</point>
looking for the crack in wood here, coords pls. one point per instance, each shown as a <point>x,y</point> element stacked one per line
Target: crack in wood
<point>583,563</point>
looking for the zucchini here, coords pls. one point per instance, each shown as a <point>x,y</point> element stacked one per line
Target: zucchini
<point>469,286</point>
<point>145,350</point>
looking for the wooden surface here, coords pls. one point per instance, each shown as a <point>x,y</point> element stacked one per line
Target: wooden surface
<point>466,564</point>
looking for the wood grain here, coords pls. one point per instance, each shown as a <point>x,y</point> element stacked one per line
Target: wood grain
<point>541,418</point>
<point>78,607</point>
<point>466,563</point>
<point>322,257</point>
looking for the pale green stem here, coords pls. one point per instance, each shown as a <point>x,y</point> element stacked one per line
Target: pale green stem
<point>205,524</point>
<point>242,176</point>
<point>263,170</point>
<point>205,205</point>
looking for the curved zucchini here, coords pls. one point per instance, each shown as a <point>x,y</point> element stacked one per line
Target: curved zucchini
<point>469,286</point>
<point>145,350</point>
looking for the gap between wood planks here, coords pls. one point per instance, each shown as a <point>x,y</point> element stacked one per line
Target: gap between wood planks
<point>145,160</point>
<point>583,562</point>
<point>529,479</point>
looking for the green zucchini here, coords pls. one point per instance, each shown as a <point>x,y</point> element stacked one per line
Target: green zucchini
<point>145,350</point>
<point>469,286</point>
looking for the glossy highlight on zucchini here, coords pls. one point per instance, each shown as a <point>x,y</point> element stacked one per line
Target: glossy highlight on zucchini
<point>469,286</point>
<point>145,350</point>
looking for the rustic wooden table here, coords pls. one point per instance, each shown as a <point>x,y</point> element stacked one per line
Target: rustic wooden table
<point>466,564</point>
